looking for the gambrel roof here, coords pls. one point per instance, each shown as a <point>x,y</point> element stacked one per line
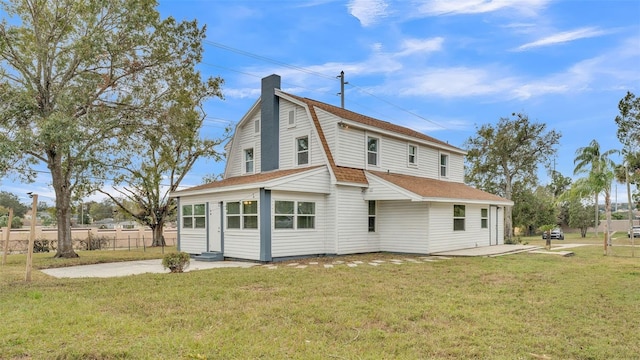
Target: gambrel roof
<point>409,187</point>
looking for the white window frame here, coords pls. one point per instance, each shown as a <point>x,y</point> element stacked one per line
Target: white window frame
<point>295,215</point>
<point>459,217</point>
<point>377,152</point>
<point>245,162</point>
<point>297,152</point>
<point>413,163</point>
<point>242,216</point>
<point>443,167</point>
<point>197,219</point>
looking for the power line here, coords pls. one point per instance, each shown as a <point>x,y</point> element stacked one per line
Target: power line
<point>307,71</point>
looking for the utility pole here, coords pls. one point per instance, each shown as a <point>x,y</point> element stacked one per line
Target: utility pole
<point>341,93</point>
<point>7,237</point>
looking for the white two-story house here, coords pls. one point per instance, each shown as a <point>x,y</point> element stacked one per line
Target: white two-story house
<point>306,178</point>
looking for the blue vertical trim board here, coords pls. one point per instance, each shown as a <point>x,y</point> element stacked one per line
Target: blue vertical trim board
<point>269,124</point>
<point>221,227</point>
<point>179,223</point>
<point>207,224</point>
<point>264,220</point>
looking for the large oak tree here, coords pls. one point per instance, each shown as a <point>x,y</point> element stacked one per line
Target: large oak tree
<point>510,151</point>
<point>76,77</point>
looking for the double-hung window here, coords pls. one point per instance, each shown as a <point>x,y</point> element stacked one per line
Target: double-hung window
<point>294,215</point>
<point>302,150</point>
<point>242,214</point>
<point>458,217</point>
<point>193,216</point>
<point>248,160</point>
<point>250,214</point>
<point>413,155</point>
<point>444,164</point>
<point>373,151</point>
<point>484,218</point>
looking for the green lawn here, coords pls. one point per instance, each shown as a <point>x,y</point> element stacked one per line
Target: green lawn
<point>523,306</point>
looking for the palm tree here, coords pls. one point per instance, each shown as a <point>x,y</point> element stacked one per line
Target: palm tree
<point>599,169</point>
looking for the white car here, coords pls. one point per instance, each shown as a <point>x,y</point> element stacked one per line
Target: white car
<point>636,232</point>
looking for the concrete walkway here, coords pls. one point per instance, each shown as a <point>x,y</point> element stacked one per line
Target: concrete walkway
<point>495,250</point>
<point>127,268</point>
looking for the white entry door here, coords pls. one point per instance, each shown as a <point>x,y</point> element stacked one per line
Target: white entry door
<point>494,230</point>
<point>215,243</point>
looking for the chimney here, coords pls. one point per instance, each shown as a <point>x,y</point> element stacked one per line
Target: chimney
<point>269,124</point>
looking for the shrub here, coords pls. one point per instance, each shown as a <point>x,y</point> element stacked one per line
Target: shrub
<point>176,262</point>
<point>41,246</point>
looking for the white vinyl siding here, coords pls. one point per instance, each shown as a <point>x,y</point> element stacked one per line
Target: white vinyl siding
<point>441,234</point>
<point>295,242</point>
<point>456,168</point>
<point>352,219</point>
<point>192,240</point>
<point>304,127</point>
<point>350,148</point>
<point>244,138</point>
<point>407,218</point>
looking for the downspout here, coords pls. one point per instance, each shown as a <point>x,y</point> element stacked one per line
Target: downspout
<point>221,204</point>
<point>178,224</point>
<point>207,225</point>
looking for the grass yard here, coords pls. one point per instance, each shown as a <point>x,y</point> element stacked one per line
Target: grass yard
<point>524,306</point>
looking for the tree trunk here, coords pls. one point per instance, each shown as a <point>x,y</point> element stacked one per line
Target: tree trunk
<point>597,217</point>
<point>62,188</point>
<point>158,234</point>
<point>508,222</point>
<point>607,209</point>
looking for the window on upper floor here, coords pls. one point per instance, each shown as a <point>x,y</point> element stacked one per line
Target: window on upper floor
<point>484,218</point>
<point>458,217</point>
<point>444,165</point>
<point>193,216</point>
<point>412,153</point>
<point>248,160</point>
<point>302,150</point>
<point>373,151</point>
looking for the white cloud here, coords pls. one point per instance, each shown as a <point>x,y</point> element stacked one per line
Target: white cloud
<point>453,82</point>
<point>448,7</point>
<point>368,12</point>
<point>412,46</point>
<point>563,37</point>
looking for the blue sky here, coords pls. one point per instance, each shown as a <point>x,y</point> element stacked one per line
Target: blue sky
<point>440,67</point>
